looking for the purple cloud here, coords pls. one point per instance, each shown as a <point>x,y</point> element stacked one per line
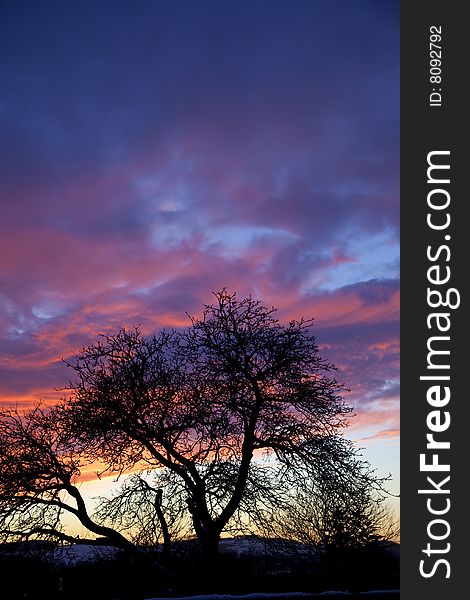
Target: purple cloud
<point>151,156</point>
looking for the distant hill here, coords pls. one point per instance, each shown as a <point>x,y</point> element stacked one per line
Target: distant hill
<point>236,546</point>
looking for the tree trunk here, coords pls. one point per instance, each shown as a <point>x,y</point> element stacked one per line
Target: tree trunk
<point>207,532</point>
<point>164,527</point>
<point>209,541</point>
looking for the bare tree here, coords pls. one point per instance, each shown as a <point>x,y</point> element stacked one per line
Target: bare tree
<point>224,419</point>
<point>335,510</point>
<point>203,403</point>
<point>149,508</point>
<point>38,475</point>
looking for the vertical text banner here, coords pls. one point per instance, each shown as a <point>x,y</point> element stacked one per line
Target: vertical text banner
<point>435,253</point>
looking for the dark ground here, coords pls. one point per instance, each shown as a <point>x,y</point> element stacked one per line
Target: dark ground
<point>187,573</point>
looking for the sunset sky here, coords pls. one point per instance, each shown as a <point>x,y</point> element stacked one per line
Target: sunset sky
<point>155,151</point>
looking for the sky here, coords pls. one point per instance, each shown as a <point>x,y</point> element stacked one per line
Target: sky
<point>155,151</point>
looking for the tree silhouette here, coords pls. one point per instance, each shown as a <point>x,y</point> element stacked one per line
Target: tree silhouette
<point>141,511</point>
<point>201,403</point>
<point>333,512</point>
<point>225,415</point>
<point>38,475</point>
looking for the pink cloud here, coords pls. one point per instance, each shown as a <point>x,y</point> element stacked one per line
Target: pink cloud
<point>386,434</point>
